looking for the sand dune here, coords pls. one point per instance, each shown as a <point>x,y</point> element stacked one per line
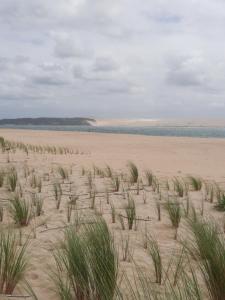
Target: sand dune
<point>165,156</point>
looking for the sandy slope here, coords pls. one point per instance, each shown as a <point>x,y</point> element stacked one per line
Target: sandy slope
<point>165,156</point>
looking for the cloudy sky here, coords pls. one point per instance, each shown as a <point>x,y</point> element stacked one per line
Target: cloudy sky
<point>120,58</point>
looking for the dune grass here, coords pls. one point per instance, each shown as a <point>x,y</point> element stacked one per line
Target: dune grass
<point>87,264</point>
<point>1,213</point>
<point>179,187</point>
<point>126,248</point>
<point>38,205</point>
<point>208,249</point>
<point>33,180</point>
<point>149,177</point>
<point>133,172</point>
<point>19,210</point>
<point>108,171</point>
<point>39,184</point>
<point>195,183</point>
<point>220,205</point>
<point>143,288</point>
<point>113,212</point>
<point>69,209</point>
<point>154,252</point>
<point>13,262</point>
<point>12,179</point>
<point>93,198</point>
<point>130,210</point>
<point>2,143</point>
<point>116,183</point>
<point>2,177</point>
<point>158,209</point>
<point>174,211</point>
<point>63,172</point>
<point>57,194</point>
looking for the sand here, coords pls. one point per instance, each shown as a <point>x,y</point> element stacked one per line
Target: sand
<point>165,156</point>
<point>161,122</point>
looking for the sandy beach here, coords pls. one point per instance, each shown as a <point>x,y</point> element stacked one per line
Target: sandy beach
<point>165,156</point>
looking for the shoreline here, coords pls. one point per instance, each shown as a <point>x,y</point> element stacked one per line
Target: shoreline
<point>80,132</point>
<point>181,131</point>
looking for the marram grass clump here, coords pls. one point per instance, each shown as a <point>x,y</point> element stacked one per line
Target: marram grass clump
<point>13,262</point>
<point>86,264</point>
<point>19,210</point>
<point>133,172</point>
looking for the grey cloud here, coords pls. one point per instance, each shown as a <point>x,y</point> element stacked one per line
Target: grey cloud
<point>48,80</point>
<point>169,18</point>
<point>50,66</point>
<point>20,59</point>
<point>117,90</point>
<point>184,78</point>
<point>9,63</point>
<point>78,72</point>
<point>66,47</point>
<point>104,64</point>
<point>157,57</point>
<point>186,71</point>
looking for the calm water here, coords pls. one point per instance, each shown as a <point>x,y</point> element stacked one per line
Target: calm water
<point>216,132</point>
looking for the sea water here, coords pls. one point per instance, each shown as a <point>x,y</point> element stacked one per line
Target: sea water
<point>179,131</point>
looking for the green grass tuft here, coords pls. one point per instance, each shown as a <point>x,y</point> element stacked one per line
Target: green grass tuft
<point>133,172</point>
<point>208,249</point>
<point>174,211</point>
<point>87,264</point>
<point>130,210</point>
<point>196,183</point>
<point>20,210</point>
<point>154,251</point>
<point>13,262</point>
<point>12,178</point>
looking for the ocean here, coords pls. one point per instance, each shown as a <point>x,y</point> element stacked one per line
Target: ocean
<point>178,131</point>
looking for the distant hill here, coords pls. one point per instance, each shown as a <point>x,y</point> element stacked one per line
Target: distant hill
<point>47,121</point>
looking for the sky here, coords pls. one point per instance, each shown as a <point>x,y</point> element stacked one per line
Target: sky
<point>112,59</point>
